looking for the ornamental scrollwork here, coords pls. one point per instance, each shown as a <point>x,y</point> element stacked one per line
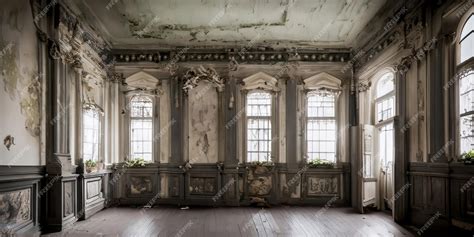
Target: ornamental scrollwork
<point>194,76</point>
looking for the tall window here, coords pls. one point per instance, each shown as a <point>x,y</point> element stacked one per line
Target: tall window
<point>141,127</point>
<point>384,113</point>
<point>259,126</point>
<point>466,89</point>
<point>321,126</point>
<point>90,134</point>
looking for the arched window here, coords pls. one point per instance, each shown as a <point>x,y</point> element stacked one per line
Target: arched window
<point>321,126</point>
<point>384,114</point>
<point>466,89</point>
<point>141,127</point>
<point>259,126</point>
<point>91,134</point>
<point>466,41</point>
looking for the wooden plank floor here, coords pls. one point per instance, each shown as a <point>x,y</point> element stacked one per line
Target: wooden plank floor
<point>238,221</point>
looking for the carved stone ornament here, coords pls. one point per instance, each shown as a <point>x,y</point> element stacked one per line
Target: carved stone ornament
<point>54,51</point>
<point>363,86</point>
<point>90,83</point>
<point>233,64</point>
<point>115,77</point>
<point>324,83</point>
<point>194,76</point>
<point>95,107</point>
<point>260,81</point>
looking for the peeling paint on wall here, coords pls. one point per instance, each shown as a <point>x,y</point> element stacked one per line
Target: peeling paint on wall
<point>20,85</point>
<point>203,120</point>
<point>24,86</point>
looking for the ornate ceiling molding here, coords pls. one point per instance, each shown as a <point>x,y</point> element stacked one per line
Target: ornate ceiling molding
<point>226,55</point>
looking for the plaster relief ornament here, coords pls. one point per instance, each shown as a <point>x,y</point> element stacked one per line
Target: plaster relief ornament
<point>233,64</point>
<point>8,141</point>
<point>194,76</point>
<point>363,86</point>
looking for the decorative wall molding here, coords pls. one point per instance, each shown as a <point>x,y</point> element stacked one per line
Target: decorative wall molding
<point>323,81</point>
<point>260,81</point>
<point>143,81</point>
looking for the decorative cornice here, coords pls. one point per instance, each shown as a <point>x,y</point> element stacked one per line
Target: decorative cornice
<point>364,56</point>
<point>226,55</point>
<point>416,55</point>
<point>408,32</point>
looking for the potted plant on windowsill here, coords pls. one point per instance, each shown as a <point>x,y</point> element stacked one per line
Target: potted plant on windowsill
<point>91,166</point>
<point>468,158</point>
<point>320,163</point>
<point>137,162</point>
<point>261,166</point>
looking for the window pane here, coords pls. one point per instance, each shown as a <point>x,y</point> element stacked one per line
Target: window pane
<point>385,85</point>
<point>467,48</point>
<point>321,139</point>
<point>466,93</point>
<point>467,40</point>
<point>467,133</point>
<point>259,130</point>
<point>386,145</point>
<point>90,134</point>
<point>385,108</point>
<point>321,106</point>
<point>259,104</point>
<point>141,142</point>
<point>141,106</point>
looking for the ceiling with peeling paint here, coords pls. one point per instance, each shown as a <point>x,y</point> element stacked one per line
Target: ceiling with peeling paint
<point>228,23</point>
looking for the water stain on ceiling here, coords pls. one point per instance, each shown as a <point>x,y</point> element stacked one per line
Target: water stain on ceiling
<point>275,23</point>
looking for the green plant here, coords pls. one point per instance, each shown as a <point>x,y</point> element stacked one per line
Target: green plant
<point>137,162</point>
<point>90,164</point>
<point>468,157</point>
<point>262,163</point>
<point>320,163</point>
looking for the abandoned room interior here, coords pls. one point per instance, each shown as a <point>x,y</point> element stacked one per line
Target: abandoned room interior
<point>237,118</point>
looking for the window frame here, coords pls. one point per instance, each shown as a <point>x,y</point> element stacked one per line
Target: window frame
<point>307,94</point>
<point>463,69</point>
<point>470,34</point>
<point>380,124</point>
<point>100,141</point>
<point>272,125</point>
<point>155,125</point>
<point>382,98</point>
